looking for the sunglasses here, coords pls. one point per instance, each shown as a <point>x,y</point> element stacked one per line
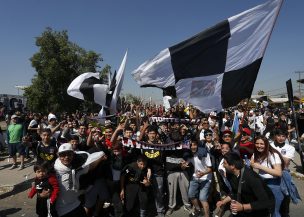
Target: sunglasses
<point>226,135</point>
<point>66,154</point>
<point>245,134</point>
<point>209,134</point>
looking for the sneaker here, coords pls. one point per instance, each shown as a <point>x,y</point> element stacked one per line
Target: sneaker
<point>188,208</point>
<point>21,167</point>
<point>13,166</point>
<point>106,205</point>
<point>169,212</point>
<point>196,213</point>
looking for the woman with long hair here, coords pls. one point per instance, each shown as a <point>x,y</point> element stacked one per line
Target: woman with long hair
<point>269,164</point>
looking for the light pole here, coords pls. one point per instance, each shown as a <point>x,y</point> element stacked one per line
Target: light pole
<point>20,87</point>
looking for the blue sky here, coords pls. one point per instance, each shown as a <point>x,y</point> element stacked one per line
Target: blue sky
<point>144,28</point>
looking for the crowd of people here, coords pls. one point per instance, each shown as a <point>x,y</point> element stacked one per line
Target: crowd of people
<point>149,160</point>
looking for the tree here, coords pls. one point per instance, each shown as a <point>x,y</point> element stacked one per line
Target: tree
<point>57,63</point>
<point>261,92</point>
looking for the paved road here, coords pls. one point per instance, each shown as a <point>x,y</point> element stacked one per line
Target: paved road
<point>15,203</point>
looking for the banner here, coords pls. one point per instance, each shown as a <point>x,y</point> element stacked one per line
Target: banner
<point>144,145</point>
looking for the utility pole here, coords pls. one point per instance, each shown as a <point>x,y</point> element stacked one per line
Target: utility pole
<point>299,84</point>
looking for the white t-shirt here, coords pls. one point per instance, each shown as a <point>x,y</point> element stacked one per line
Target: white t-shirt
<point>286,151</point>
<point>272,160</point>
<point>201,165</point>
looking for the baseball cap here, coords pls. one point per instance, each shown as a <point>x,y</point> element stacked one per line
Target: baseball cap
<point>227,132</point>
<point>247,131</point>
<point>51,116</point>
<point>65,147</point>
<point>14,116</point>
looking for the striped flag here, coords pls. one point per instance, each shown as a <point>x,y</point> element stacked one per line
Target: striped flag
<point>216,68</point>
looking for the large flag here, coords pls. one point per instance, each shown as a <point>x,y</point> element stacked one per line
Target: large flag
<point>216,68</point>
<point>88,86</point>
<point>118,83</point>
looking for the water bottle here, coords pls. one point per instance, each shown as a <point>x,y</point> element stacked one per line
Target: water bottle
<point>247,161</point>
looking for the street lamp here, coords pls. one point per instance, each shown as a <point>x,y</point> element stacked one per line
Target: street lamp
<point>20,87</point>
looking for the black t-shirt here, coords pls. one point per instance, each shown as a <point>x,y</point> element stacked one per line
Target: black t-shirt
<point>46,153</point>
<point>155,161</point>
<point>132,173</point>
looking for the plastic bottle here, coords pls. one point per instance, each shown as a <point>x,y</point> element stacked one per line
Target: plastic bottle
<point>247,161</point>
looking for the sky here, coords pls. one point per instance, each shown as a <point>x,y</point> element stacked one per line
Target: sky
<point>110,27</point>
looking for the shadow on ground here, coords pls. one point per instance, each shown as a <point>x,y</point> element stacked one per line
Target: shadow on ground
<point>10,211</point>
<point>17,189</point>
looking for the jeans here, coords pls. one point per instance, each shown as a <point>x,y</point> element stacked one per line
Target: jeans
<point>199,189</point>
<point>274,185</point>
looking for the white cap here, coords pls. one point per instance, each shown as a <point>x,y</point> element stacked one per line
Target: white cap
<point>213,114</point>
<point>14,116</point>
<point>65,147</point>
<point>51,116</point>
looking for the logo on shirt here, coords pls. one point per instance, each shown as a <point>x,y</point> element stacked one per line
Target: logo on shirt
<point>152,155</point>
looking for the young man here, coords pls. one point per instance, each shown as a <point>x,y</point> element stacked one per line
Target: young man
<point>14,138</point>
<point>288,153</point>
<point>134,185</point>
<point>156,164</point>
<point>249,195</point>
<point>46,149</point>
<point>200,181</point>
<point>69,167</point>
<point>177,174</point>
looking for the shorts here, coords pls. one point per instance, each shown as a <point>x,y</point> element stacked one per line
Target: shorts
<point>13,148</point>
<point>199,189</point>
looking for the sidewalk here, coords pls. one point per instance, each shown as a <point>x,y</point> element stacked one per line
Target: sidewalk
<point>11,179</point>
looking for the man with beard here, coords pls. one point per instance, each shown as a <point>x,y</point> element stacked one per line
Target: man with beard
<point>249,195</point>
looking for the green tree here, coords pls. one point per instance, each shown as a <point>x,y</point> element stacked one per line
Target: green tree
<point>57,62</point>
<point>261,92</point>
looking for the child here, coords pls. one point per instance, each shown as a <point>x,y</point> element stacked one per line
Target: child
<point>47,189</point>
<point>134,187</point>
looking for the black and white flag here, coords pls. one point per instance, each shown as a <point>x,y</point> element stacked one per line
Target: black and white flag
<point>216,68</point>
<point>88,86</point>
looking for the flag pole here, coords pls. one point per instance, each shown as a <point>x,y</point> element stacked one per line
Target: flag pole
<point>290,96</point>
